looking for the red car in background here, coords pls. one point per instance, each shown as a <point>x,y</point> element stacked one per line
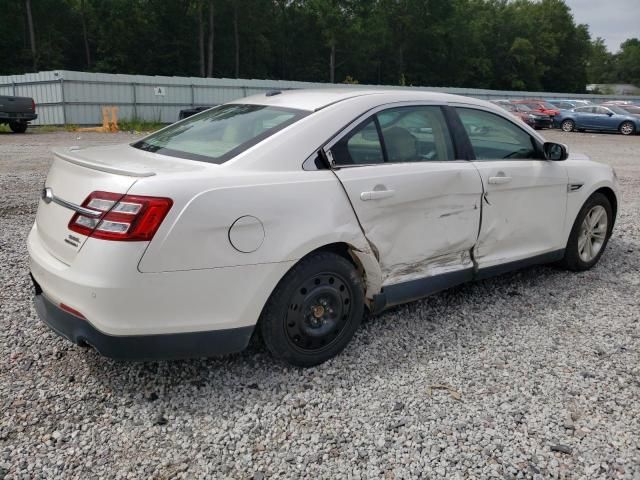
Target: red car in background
<point>539,106</point>
<point>531,117</point>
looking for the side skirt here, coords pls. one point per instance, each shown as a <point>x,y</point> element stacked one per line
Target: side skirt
<point>415,289</point>
<point>489,272</point>
<point>422,287</point>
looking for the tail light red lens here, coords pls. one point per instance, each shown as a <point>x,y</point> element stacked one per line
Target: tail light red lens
<point>72,311</point>
<point>33,105</point>
<point>123,217</point>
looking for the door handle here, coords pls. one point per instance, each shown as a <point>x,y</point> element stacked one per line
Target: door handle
<point>499,180</point>
<point>376,195</point>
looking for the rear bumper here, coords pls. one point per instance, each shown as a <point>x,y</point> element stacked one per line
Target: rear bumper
<point>141,347</point>
<point>105,286</point>
<point>17,117</point>
<point>540,122</point>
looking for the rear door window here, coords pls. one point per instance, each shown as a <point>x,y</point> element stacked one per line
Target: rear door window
<point>397,135</point>
<point>221,133</point>
<point>415,134</point>
<point>361,146</point>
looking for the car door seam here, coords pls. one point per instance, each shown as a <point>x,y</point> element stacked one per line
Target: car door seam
<point>483,198</point>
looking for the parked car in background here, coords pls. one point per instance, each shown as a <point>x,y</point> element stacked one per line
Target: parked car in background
<point>17,112</point>
<point>539,106</point>
<point>568,103</point>
<point>531,117</point>
<point>188,112</point>
<point>610,118</point>
<point>562,105</point>
<point>292,213</point>
<point>632,109</point>
<point>618,102</point>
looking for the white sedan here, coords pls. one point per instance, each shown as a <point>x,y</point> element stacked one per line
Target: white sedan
<point>290,213</point>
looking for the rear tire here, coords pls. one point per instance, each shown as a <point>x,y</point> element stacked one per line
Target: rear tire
<point>18,127</point>
<point>627,128</point>
<point>568,126</point>
<point>590,234</point>
<point>314,311</point>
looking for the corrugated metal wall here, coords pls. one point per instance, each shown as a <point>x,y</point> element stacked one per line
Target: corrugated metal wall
<point>66,97</point>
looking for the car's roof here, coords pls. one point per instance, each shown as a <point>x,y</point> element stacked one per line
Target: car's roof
<point>316,99</point>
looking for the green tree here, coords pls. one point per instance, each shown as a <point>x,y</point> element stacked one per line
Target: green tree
<point>627,62</point>
<point>499,44</point>
<point>600,63</point>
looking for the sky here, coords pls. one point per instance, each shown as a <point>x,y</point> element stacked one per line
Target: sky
<point>613,20</point>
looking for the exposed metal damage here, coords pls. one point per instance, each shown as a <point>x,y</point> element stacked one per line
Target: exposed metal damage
<point>427,267</point>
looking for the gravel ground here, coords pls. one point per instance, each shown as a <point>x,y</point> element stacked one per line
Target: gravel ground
<point>534,374</point>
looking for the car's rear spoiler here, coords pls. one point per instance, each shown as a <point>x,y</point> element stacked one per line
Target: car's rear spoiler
<point>70,155</point>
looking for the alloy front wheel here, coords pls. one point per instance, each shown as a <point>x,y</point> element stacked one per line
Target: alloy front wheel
<point>593,233</point>
<point>627,128</point>
<point>590,233</point>
<point>568,126</point>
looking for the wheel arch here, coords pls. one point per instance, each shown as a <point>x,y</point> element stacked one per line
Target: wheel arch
<point>363,259</point>
<point>576,201</point>
<point>613,200</point>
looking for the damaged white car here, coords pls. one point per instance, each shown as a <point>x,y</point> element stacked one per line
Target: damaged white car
<point>291,212</point>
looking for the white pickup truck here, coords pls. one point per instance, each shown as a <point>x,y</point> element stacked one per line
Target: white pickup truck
<point>17,112</point>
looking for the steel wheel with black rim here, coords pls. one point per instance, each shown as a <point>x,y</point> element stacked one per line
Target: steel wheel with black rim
<point>314,311</point>
<point>627,128</point>
<point>590,233</point>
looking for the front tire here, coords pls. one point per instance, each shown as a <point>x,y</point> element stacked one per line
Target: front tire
<point>18,127</point>
<point>568,126</point>
<point>590,233</point>
<point>627,128</point>
<point>314,311</point>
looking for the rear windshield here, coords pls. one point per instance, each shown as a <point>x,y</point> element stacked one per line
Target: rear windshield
<point>221,133</point>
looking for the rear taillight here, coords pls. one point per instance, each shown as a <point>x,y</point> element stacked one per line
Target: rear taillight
<point>123,217</point>
<point>33,105</point>
<point>72,311</point>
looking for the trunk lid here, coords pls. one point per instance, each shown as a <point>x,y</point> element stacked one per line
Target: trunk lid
<point>75,173</point>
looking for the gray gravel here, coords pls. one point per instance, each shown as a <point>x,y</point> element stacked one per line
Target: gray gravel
<point>534,374</point>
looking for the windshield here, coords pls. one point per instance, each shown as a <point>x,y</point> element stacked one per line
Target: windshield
<point>548,106</point>
<point>221,133</point>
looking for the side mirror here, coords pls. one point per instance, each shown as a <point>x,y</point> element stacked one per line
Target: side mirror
<point>555,151</point>
<point>610,114</point>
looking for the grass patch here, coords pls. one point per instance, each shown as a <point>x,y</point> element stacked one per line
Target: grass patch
<point>4,128</point>
<point>54,128</point>
<point>138,125</point>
